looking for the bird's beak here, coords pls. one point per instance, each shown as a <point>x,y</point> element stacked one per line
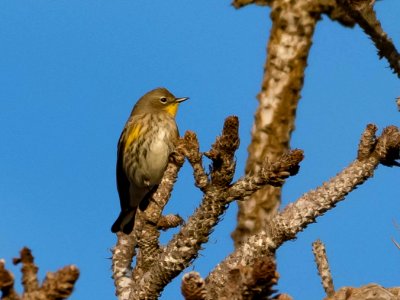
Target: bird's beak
<point>179,100</point>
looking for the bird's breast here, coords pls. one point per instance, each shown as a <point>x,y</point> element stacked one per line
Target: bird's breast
<point>148,156</point>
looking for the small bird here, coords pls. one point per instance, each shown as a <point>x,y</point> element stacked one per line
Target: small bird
<point>144,146</point>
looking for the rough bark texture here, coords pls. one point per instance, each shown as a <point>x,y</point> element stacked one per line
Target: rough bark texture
<point>248,272</point>
<point>193,287</point>
<point>56,286</point>
<point>368,292</point>
<point>156,266</point>
<point>362,11</point>
<point>296,216</point>
<point>293,25</point>
<point>323,267</point>
<point>146,233</point>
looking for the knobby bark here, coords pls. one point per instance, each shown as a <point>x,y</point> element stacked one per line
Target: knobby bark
<point>299,214</point>
<point>293,25</point>
<point>56,286</point>
<point>323,267</point>
<point>362,11</point>
<point>155,265</point>
<point>249,271</point>
<point>368,292</point>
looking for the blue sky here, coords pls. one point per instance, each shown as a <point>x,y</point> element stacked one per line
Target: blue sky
<point>70,72</point>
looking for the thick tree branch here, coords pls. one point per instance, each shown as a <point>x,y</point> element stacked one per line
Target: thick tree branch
<point>146,233</point>
<point>289,44</point>
<point>185,246</point>
<point>298,215</point>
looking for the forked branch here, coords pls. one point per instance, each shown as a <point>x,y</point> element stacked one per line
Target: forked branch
<point>298,215</point>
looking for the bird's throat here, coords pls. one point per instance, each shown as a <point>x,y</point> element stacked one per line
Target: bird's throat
<point>172,109</point>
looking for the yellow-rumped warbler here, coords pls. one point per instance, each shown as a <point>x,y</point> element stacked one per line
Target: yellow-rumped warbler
<point>143,150</point>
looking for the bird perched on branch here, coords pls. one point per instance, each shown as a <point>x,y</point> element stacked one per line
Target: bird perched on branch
<point>145,144</point>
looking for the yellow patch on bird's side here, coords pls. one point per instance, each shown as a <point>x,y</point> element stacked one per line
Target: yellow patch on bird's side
<point>133,134</point>
<point>172,108</point>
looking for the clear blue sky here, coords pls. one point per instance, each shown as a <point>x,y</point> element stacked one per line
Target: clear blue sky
<point>70,72</point>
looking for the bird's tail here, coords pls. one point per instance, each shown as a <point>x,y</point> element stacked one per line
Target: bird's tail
<point>125,221</point>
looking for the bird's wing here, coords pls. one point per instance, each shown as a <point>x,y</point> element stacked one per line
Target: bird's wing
<point>122,178</point>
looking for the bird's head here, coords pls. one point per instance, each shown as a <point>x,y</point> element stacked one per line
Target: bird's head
<point>159,100</point>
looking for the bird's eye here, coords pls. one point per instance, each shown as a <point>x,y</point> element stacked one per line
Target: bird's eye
<point>163,100</point>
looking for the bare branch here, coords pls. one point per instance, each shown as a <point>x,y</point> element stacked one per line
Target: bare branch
<point>362,11</point>
<point>222,153</point>
<point>192,153</point>
<point>122,255</point>
<point>271,173</point>
<point>251,281</point>
<point>193,287</point>
<point>369,291</point>
<point>289,44</point>
<point>298,215</point>
<point>169,221</point>
<point>323,267</point>
<point>7,283</point>
<point>56,285</point>
<point>367,142</point>
<point>59,285</point>
<point>146,234</point>
<point>29,270</point>
<point>185,246</point>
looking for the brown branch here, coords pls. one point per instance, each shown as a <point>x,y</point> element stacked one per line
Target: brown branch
<point>122,255</point>
<point>271,173</point>
<point>29,270</point>
<point>56,286</point>
<point>298,215</point>
<point>169,221</point>
<point>146,233</point>
<point>362,11</point>
<point>185,246</point>
<point>192,153</point>
<point>7,283</point>
<point>59,285</point>
<point>293,25</point>
<point>193,287</point>
<point>222,153</point>
<point>251,281</point>
<point>323,267</point>
<point>369,291</point>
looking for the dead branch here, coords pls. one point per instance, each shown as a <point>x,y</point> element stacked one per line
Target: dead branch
<point>156,266</point>
<point>323,267</point>
<point>298,215</point>
<point>146,233</point>
<point>7,283</point>
<point>293,25</point>
<point>193,287</point>
<point>362,11</point>
<point>368,292</point>
<point>56,286</point>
